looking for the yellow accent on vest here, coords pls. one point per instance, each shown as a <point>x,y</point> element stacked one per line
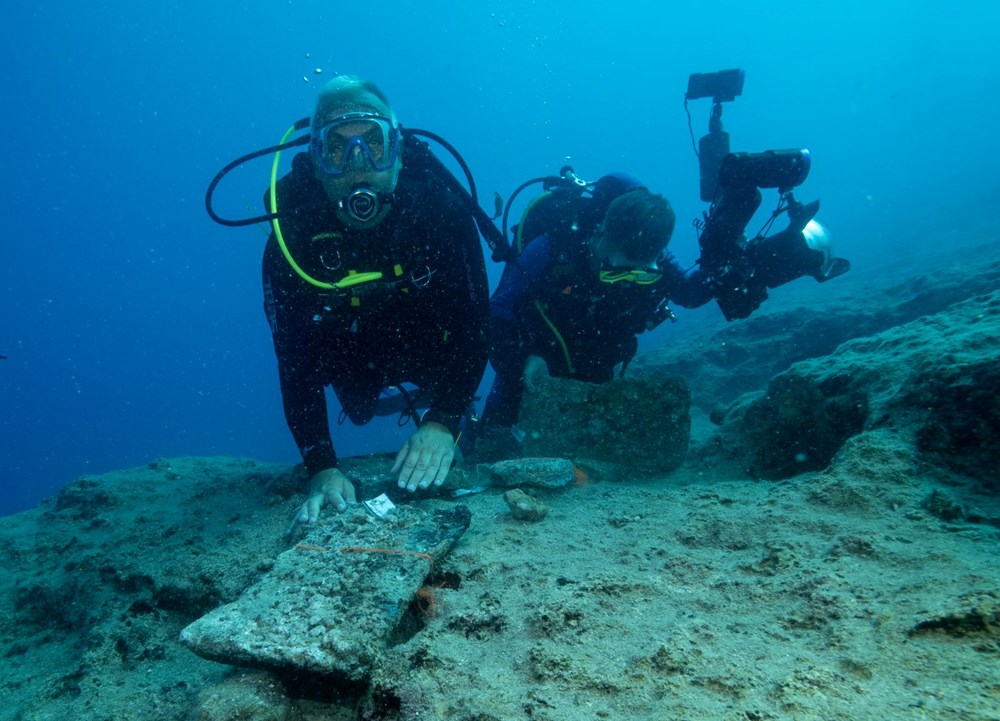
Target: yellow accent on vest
<point>326,236</point>
<point>355,278</point>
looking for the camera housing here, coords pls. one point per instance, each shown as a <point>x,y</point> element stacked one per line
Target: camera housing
<point>712,149</point>
<point>722,86</point>
<point>781,169</point>
<point>740,270</point>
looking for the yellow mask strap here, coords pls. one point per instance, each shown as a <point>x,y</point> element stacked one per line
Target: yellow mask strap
<point>639,276</point>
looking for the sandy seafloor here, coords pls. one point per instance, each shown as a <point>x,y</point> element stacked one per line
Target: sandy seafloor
<point>691,598</point>
<point>833,595</point>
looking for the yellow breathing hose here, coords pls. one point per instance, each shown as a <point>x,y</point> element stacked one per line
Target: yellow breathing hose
<point>558,335</point>
<point>519,245</point>
<point>519,241</point>
<point>351,280</point>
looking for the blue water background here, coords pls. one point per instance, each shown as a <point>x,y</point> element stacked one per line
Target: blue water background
<point>133,324</point>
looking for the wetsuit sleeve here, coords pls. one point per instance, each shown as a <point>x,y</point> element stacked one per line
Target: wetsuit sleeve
<point>688,288</point>
<point>462,308</point>
<point>507,347</point>
<point>519,276</point>
<point>299,364</point>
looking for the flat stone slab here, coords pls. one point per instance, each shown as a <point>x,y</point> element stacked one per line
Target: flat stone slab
<point>332,603</point>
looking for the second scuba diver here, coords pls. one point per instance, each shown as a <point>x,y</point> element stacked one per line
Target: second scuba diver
<point>580,292</point>
<point>598,273</point>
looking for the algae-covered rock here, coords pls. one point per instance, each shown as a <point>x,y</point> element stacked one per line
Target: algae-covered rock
<point>934,381</point>
<point>641,424</point>
<point>247,696</point>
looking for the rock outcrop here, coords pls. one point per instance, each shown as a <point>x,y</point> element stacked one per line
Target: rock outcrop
<point>729,360</point>
<point>639,426</point>
<point>935,381</point>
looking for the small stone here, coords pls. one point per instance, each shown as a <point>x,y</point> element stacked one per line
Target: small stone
<point>525,507</point>
<point>940,504</point>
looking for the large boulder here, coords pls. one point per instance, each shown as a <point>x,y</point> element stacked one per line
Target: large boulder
<point>934,381</point>
<point>639,425</point>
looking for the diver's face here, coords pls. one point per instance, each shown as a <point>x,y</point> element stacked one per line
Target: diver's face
<point>353,148</point>
<point>357,168</point>
<point>339,141</point>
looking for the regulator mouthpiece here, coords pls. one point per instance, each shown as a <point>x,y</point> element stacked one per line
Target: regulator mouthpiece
<point>362,204</point>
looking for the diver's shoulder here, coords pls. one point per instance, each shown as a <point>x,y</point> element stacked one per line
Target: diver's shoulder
<point>430,197</point>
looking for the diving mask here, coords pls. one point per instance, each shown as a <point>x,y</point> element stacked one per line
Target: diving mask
<point>358,134</point>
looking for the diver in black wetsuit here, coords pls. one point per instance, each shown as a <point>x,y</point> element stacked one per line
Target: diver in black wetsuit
<point>375,277</point>
<point>598,274</point>
<point>579,294</point>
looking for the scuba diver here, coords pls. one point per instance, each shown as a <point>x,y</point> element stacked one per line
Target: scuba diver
<point>373,276</point>
<point>593,270</point>
<point>596,276</point>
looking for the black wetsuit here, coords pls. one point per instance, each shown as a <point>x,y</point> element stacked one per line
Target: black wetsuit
<point>581,327</point>
<point>425,322</point>
<point>552,304</point>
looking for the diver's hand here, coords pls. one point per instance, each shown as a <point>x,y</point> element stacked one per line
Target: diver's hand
<point>329,486</point>
<point>426,457</point>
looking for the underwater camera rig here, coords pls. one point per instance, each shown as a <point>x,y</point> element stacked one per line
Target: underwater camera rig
<point>742,270</point>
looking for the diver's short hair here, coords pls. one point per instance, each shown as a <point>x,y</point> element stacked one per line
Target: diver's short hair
<point>350,92</point>
<point>639,224</point>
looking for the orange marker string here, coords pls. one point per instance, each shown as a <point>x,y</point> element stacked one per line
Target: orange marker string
<point>307,547</point>
<point>355,549</point>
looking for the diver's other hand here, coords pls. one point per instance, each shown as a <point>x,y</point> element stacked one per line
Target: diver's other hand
<point>535,368</point>
<point>329,486</point>
<point>426,457</point>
